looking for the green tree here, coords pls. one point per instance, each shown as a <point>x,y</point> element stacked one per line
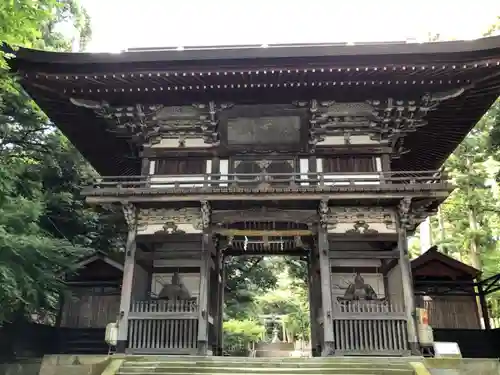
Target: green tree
<point>290,301</point>
<point>246,278</point>
<point>34,250</point>
<point>31,261</point>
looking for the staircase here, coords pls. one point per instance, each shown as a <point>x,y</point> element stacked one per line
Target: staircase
<point>141,365</point>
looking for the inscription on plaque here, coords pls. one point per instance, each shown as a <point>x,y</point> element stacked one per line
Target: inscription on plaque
<point>263,130</point>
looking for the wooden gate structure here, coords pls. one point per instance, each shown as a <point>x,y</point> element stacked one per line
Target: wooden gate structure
<point>329,152</point>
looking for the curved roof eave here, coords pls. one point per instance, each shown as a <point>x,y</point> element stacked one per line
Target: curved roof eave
<point>402,51</point>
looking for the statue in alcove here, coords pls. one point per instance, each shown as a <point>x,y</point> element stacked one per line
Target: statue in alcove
<point>359,290</point>
<point>176,290</point>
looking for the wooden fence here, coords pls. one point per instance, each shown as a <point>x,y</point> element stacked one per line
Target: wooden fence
<point>163,326</point>
<point>369,328</point>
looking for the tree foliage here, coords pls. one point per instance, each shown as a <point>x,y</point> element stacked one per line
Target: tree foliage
<point>44,226</point>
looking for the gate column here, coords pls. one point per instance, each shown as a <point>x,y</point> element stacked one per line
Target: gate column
<point>402,222</point>
<point>130,214</point>
<point>203,303</point>
<point>326,289</point>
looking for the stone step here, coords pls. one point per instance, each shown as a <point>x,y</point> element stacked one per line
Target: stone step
<point>270,362</point>
<point>191,359</point>
<point>263,366</point>
<point>281,371</point>
<point>185,365</point>
<point>217,373</point>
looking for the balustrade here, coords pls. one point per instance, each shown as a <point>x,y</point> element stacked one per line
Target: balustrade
<point>157,325</point>
<point>257,180</point>
<point>369,327</point>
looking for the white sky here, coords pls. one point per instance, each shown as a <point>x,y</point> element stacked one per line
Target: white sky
<point>120,24</point>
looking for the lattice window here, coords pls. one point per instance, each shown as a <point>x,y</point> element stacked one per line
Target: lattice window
<point>363,164</point>
<point>180,167</point>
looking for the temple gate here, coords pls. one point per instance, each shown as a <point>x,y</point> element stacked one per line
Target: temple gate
<point>329,152</point>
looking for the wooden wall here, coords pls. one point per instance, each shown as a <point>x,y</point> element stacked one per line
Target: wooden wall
<point>93,298</point>
<point>90,307</point>
<point>452,312</point>
<point>395,285</point>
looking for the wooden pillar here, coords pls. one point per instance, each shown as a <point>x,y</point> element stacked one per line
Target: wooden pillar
<point>220,303</point>
<point>484,307</point>
<point>60,309</point>
<point>312,168</point>
<point>407,281</point>
<point>326,290</point>
<point>312,287</point>
<point>203,302</point>
<point>145,166</point>
<point>130,213</point>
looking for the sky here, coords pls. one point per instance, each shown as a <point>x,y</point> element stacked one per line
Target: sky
<point>121,24</point>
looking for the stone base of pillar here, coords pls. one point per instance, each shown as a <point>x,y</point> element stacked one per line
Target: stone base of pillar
<point>328,349</point>
<point>415,349</point>
<point>121,346</point>
<point>202,348</point>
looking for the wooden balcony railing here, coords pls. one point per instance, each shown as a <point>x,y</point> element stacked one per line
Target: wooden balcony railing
<point>257,180</point>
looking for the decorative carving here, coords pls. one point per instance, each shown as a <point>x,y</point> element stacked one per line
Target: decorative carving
<point>405,217</point>
<point>264,214</point>
<point>130,214</point>
<point>412,213</point>
<point>170,217</point>
<point>385,121</point>
<point>264,164</point>
<point>206,213</point>
<point>361,227</point>
<point>151,123</point>
<point>170,228</point>
<point>323,211</point>
<point>362,214</point>
<point>361,220</point>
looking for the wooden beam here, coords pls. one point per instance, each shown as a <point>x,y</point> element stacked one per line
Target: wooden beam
<point>379,237</point>
<point>277,233</point>
<point>163,315</point>
<point>346,269</point>
<point>195,270</point>
<point>388,264</point>
<point>147,195</point>
<point>363,254</point>
<point>171,255</point>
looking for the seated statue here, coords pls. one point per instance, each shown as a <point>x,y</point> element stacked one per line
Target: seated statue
<point>359,290</point>
<point>176,290</point>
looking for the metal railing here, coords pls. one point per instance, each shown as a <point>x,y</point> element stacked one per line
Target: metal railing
<point>257,180</point>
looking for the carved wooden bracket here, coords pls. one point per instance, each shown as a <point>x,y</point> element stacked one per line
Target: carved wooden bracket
<point>323,211</point>
<point>206,213</point>
<point>130,214</point>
